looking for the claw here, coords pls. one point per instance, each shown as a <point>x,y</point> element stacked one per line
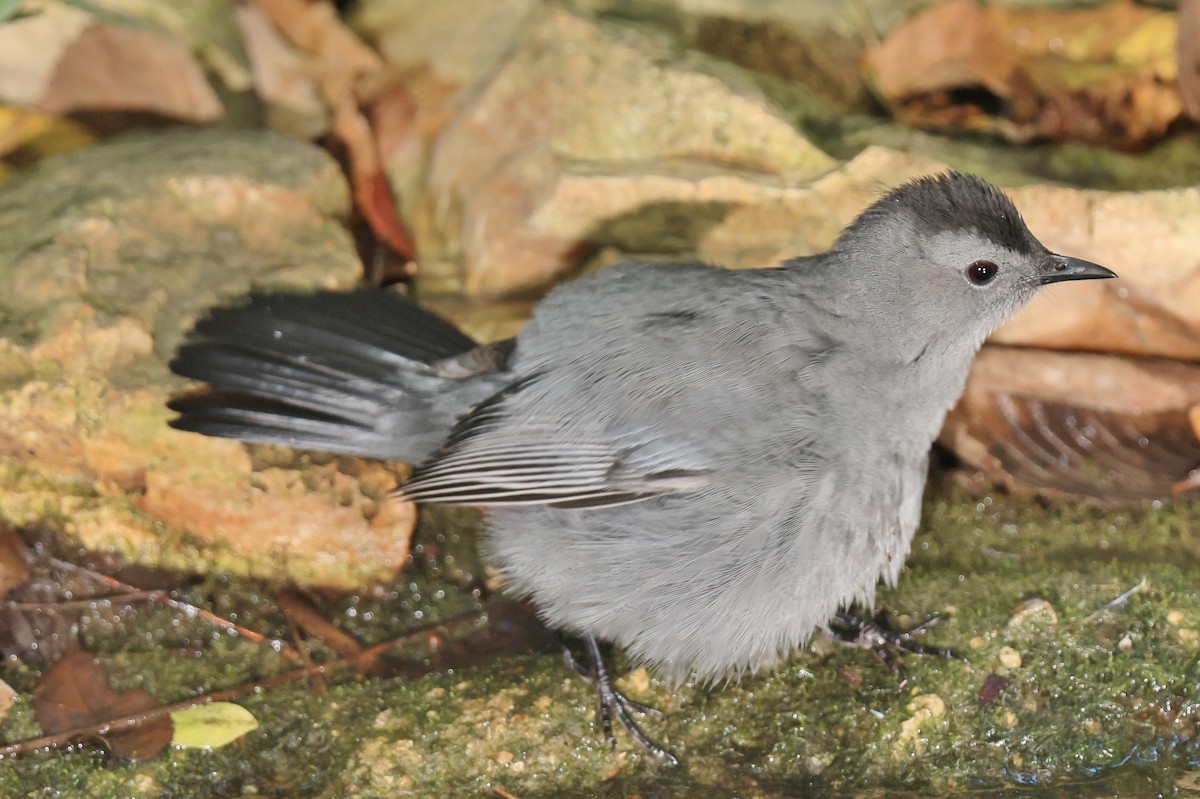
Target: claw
<point>610,702</point>
<point>885,643</point>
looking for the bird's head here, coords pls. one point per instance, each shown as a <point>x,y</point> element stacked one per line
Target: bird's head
<point>953,254</point>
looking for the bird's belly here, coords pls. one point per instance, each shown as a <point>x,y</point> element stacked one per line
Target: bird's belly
<point>715,587</point>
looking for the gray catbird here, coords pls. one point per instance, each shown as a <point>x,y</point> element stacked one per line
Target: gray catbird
<point>698,465</point>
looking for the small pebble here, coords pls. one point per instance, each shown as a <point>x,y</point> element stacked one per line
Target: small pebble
<point>638,681</point>
<point>1010,658</point>
<point>1033,610</point>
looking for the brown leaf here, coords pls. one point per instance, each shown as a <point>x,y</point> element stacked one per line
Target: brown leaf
<point>992,687</point>
<point>953,45</point>
<point>76,694</point>
<point>1102,427</point>
<point>374,198</point>
<point>1094,74</point>
<point>111,68</point>
<point>33,627</point>
<point>372,193</point>
<point>511,628</point>
<point>1125,110</point>
<point>393,112</point>
<point>284,77</point>
<point>346,67</point>
<point>1187,49</point>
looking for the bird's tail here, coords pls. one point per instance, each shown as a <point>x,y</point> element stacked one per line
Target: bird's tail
<point>349,373</point>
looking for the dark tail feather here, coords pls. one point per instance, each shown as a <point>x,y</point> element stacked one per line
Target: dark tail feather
<point>346,373</point>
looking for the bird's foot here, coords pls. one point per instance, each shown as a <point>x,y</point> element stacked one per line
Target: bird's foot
<point>610,702</point>
<point>885,643</point>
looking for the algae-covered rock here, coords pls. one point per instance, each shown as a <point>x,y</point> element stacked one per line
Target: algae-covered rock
<point>107,255</point>
<point>1064,688</point>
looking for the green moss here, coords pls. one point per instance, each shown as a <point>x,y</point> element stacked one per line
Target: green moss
<point>1107,697</point>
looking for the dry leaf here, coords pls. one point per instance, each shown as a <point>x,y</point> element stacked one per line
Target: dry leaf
<point>372,193</point>
<point>1188,52</point>
<point>393,114</point>
<point>949,46</point>
<point>1098,426</point>
<point>33,628</point>
<point>112,68</point>
<point>284,77</point>
<point>44,135</point>
<point>75,693</point>
<point>346,67</point>
<point>1096,74</point>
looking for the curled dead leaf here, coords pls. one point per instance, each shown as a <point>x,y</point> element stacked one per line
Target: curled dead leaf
<point>75,694</point>
<point>1102,74</point>
<point>1102,427</point>
<point>347,73</point>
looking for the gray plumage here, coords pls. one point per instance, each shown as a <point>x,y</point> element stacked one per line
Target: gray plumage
<point>698,465</point>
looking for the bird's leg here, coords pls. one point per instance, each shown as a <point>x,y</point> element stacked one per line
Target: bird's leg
<point>885,642</point>
<point>611,702</point>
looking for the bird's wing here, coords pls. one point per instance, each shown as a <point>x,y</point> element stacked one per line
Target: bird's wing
<point>487,461</point>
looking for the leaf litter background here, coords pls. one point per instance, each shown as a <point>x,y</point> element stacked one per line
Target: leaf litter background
<point>477,160</point>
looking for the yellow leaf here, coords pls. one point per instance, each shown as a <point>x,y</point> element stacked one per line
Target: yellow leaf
<point>211,726</point>
<point>1151,43</point>
<point>43,135</point>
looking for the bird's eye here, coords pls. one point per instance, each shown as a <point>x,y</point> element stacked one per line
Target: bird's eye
<point>981,273</point>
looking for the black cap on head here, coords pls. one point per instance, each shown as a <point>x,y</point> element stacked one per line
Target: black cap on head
<point>954,201</point>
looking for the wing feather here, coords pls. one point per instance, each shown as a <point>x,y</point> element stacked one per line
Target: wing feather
<point>491,460</point>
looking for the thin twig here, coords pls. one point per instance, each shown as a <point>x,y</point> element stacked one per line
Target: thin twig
<point>133,720</point>
<point>1121,600</point>
<point>81,604</point>
<point>192,611</point>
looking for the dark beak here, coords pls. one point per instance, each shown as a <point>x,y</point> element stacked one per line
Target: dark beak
<point>1058,268</point>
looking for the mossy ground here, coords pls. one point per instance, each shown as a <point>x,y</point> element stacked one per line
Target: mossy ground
<point>1098,706</point>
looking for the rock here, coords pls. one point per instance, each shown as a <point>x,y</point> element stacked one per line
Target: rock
<point>585,96</point>
<point>97,73</point>
<point>1148,238</point>
<point>460,43</point>
<point>448,56</point>
<point>140,58</point>
<point>532,219</point>
<point>31,47</point>
<point>108,255</point>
